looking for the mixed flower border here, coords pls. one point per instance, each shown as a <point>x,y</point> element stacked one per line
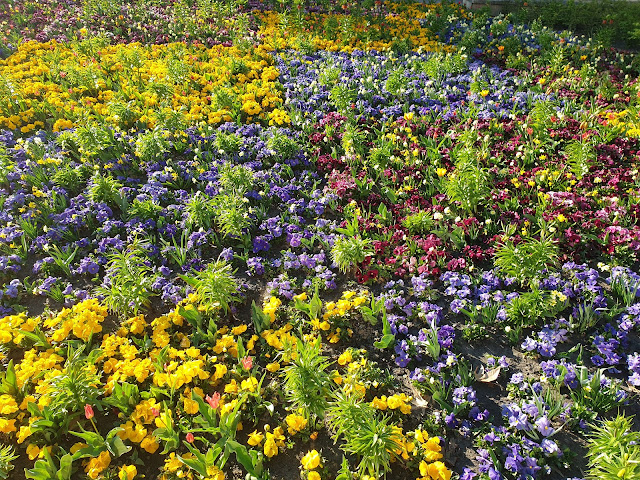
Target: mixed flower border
<point>223,229</point>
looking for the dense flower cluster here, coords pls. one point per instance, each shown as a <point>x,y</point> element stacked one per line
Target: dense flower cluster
<point>233,230</point>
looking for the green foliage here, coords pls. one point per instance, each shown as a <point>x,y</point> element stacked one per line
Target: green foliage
<point>527,259</point>
<point>366,434</point>
<point>72,179</point>
<point>235,179</point>
<point>228,142</point>
<point>49,468</point>
<point>541,113</point>
<point>347,252</point>
<point>284,146</point>
<point>585,317</point>
<point>152,145</point>
<point>468,184</point>
<point>216,286</point>
<point>418,223</point>
<point>614,450</point>
<point>579,156</point>
<point>201,211</point>
<point>232,217</point>
<point>440,65</point>
<point>76,386</point>
<point>108,190</point>
<point>145,209</point>
<point>596,394</point>
<point>127,285</point>
<point>6,457</point>
<point>528,308</point>
<point>396,82</point>
<point>307,384</point>
<point>624,289</point>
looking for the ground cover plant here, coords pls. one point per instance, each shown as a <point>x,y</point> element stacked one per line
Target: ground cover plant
<point>322,240</point>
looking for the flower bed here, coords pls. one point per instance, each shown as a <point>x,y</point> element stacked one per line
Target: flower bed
<point>316,241</point>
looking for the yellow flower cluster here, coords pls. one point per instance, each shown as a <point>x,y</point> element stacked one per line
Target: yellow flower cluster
<point>145,413</point>
<point>624,121</point>
<point>65,85</point>
<point>430,450</point>
<point>403,22</point>
<point>295,423</point>
<point>398,401</point>
<point>335,311</point>
<point>83,320</point>
<point>97,465</point>
<point>270,307</point>
<point>11,325</point>
<point>273,441</point>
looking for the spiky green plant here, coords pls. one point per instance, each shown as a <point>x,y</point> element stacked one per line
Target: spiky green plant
<point>235,179</point>
<point>579,156</point>
<point>228,142</point>
<point>347,252</point>
<point>614,450</point>
<point>216,285</point>
<point>127,285</point>
<point>419,222</point>
<point>468,184</point>
<point>365,433</point>
<point>396,82</point>
<point>527,259</point>
<point>108,190</point>
<point>283,145</point>
<point>6,457</point>
<point>72,179</point>
<point>232,216</point>
<point>308,385</point>
<point>200,211</point>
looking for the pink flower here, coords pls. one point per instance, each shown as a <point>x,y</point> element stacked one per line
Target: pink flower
<point>88,411</point>
<point>213,401</point>
<point>190,437</point>
<point>247,363</point>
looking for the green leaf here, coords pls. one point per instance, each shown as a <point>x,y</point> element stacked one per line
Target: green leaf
<point>244,458</point>
<point>91,438</point>
<point>66,463</point>
<point>261,320</point>
<point>388,338</point>
<point>385,342</point>
<point>9,383</point>
<point>39,339</point>
<point>195,464</point>
<point>115,445</point>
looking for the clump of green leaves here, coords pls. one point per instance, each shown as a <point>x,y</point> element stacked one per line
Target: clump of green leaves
<point>216,286</point>
<point>308,385</point>
<point>127,285</point>
<point>201,211</point>
<point>527,259</point>
<point>366,434</point>
<point>72,179</point>
<point>614,450</point>
<point>596,394</point>
<point>579,156</point>
<point>347,252</point>
<point>6,457</point>
<point>396,82</point>
<point>418,223</point>
<point>468,184</point>
<point>228,142</point>
<point>108,190</point>
<point>284,146</point>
